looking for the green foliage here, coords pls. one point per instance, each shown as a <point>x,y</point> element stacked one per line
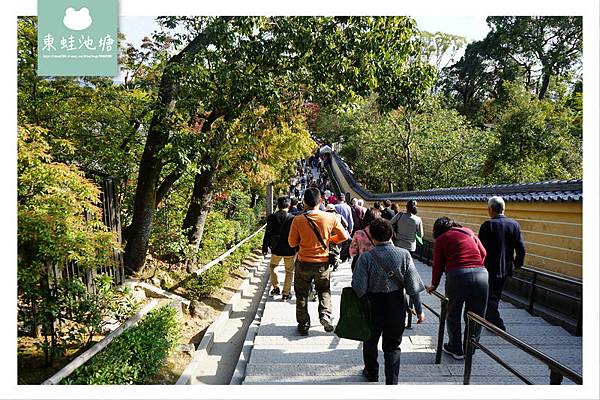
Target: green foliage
<point>135,356</point>
<point>70,314</point>
<point>440,49</point>
<point>58,223</point>
<point>535,139</point>
<point>213,279</point>
<point>102,120</point>
<point>432,147</point>
<point>52,198</point>
<point>531,50</point>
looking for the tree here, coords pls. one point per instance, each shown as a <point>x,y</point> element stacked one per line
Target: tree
<point>231,65</point>
<point>545,45</point>
<point>471,80</point>
<point>434,147</point>
<point>535,139</point>
<point>53,199</point>
<point>104,121</point>
<point>440,50</point>
<point>532,50</point>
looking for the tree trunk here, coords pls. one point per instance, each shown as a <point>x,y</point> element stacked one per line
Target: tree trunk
<point>410,184</point>
<point>545,83</point>
<point>138,233</point>
<point>253,198</point>
<point>269,199</point>
<point>200,205</point>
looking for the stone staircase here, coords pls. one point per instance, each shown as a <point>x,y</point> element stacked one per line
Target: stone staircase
<point>281,356</point>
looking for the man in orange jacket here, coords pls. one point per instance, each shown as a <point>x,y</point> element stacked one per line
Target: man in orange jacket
<point>312,231</point>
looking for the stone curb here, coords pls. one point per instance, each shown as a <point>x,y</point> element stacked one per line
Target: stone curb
<point>208,339</point>
<point>240,368</point>
<point>153,291</point>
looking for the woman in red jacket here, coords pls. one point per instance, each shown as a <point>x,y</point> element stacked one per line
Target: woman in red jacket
<point>459,253</point>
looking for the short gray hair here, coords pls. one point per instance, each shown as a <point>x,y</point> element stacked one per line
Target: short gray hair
<point>496,203</point>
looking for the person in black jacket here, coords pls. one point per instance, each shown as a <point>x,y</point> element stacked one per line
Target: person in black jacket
<point>387,212</point>
<point>276,234</point>
<point>505,247</point>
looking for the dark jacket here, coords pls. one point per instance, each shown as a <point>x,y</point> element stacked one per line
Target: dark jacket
<point>358,213</point>
<point>503,241</point>
<point>388,213</point>
<point>277,232</point>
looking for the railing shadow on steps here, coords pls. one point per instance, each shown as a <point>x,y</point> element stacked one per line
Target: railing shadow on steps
<point>557,370</point>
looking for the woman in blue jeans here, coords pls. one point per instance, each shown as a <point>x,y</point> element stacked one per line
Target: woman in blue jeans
<point>460,254</point>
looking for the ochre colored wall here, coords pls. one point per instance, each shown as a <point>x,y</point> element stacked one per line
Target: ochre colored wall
<point>552,230</point>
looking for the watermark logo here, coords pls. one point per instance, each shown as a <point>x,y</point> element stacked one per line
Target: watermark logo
<point>77,20</point>
<point>77,37</point>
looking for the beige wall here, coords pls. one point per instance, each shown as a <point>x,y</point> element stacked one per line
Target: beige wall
<point>552,230</point>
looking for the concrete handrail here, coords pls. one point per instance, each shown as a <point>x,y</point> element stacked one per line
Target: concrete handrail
<point>223,256</point>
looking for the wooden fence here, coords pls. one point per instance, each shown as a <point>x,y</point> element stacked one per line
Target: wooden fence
<point>111,218</point>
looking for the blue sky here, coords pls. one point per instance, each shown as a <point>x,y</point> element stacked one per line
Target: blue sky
<point>471,27</point>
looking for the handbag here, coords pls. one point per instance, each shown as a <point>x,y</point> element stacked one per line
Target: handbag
<point>355,316</point>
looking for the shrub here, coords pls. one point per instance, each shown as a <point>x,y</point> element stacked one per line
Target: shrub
<point>213,279</point>
<point>52,200</point>
<point>135,356</point>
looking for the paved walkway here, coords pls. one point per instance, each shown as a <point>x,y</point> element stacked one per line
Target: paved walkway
<point>281,356</point>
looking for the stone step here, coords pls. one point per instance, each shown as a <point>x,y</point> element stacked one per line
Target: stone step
<point>534,340</point>
<point>281,356</point>
<point>495,369</point>
<point>284,370</point>
<point>351,380</point>
<point>319,355</point>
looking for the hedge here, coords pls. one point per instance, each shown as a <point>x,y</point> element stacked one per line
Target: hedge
<point>135,356</point>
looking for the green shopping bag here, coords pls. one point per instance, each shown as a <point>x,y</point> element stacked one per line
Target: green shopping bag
<point>419,239</point>
<point>355,317</point>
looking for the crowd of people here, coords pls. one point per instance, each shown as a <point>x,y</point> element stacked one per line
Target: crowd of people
<point>313,230</point>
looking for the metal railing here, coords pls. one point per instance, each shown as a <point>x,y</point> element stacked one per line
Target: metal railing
<point>442,325</point>
<point>557,370</point>
<point>534,285</point>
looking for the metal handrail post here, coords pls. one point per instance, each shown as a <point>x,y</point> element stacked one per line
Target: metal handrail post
<point>532,293</point>
<point>578,328</point>
<point>441,330</point>
<point>556,378</point>
<point>470,329</point>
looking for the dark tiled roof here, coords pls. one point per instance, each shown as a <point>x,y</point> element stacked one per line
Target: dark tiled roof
<point>547,191</point>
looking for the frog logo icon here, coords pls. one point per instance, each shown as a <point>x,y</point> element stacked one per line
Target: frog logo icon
<point>77,20</point>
